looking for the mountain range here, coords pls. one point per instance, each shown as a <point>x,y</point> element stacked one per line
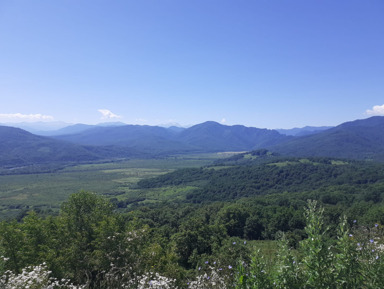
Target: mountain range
<point>205,137</point>
<point>360,139</point>
<point>19,147</point>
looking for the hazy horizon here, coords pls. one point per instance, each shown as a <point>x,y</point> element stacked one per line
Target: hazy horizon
<point>56,125</point>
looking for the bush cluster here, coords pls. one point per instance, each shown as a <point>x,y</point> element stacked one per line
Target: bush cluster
<point>90,246</point>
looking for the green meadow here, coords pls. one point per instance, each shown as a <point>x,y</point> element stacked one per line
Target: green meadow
<point>46,191</point>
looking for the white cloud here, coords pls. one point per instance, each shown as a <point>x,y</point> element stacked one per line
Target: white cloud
<point>24,117</point>
<point>107,114</point>
<point>376,110</point>
<point>223,121</point>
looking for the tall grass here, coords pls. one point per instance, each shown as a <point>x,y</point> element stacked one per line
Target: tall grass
<point>353,261</point>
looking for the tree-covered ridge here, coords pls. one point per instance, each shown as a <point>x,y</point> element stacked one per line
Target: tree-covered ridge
<point>359,139</point>
<point>267,174</point>
<point>247,158</point>
<point>24,152</point>
<point>258,199</point>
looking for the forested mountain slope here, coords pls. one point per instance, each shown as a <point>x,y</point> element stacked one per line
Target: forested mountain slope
<point>360,139</point>
<point>213,136</point>
<point>206,137</point>
<point>150,139</point>
<point>19,148</point>
<point>231,181</point>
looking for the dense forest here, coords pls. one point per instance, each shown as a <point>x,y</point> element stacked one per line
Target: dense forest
<point>245,214</point>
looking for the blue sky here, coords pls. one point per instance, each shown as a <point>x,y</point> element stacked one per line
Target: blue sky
<point>267,64</point>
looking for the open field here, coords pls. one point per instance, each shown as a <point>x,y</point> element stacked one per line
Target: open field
<point>116,180</point>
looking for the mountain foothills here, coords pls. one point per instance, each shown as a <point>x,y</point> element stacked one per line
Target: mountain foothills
<point>360,139</point>
<point>264,173</point>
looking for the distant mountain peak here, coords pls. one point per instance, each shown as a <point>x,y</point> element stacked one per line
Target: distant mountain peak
<point>111,124</point>
<point>306,130</point>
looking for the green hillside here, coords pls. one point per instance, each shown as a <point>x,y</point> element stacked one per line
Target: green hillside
<point>19,148</point>
<point>23,152</point>
<point>360,139</point>
<point>272,175</point>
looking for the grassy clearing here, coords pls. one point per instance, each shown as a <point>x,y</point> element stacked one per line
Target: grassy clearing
<point>339,163</point>
<point>250,156</point>
<point>166,193</point>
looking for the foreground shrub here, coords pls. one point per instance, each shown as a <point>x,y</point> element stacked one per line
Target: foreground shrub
<point>34,277</point>
<point>91,247</point>
<point>353,261</point>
